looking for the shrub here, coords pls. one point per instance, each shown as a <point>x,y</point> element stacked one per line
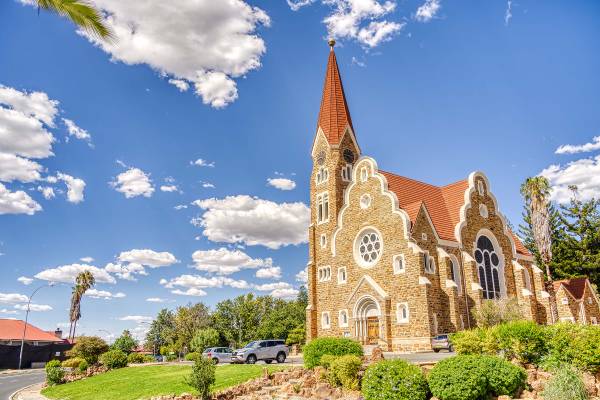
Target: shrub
<point>468,342</point>
<point>586,349</point>
<point>202,377</point>
<point>503,377</point>
<point>54,373</point>
<point>114,359</point>
<point>83,366</point>
<point>149,359</point>
<point>343,371</point>
<point>394,380</point>
<point>204,338</point>
<point>89,348</point>
<point>495,312</point>
<point>521,340</point>
<point>171,357</point>
<point>136,358</point>
<point>573,344</point>
<point>565,384</point>
<point>125,343</point>
<point>326,360</point>
<point>191,356</point>
<point>296,336</point>
<point>314,350</point>
<point>72,362</point>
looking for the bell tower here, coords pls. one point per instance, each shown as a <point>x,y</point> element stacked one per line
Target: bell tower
<point>334,152</point>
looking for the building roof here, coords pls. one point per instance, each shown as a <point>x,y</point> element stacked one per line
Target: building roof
<point>12,329</point>
<point>334,115</point>
<point>575,286</point>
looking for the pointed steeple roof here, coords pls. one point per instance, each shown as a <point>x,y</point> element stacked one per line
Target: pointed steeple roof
<point>334,115</point>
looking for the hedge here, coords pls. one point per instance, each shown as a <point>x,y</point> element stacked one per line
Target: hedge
<point>394,380</point>
<point>343,371</point>
<point>114,359</point>
<point>314,350</point>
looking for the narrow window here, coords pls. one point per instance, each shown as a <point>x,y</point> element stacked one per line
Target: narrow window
<point>323,240</point>
<point>565,300</point>
<point>322,207</point>
<point>402,313</point>
<point>399,264</point>
<point>341,275</point>
<point>325,320</point>
<point>343,317</point>
<point>364,174</point>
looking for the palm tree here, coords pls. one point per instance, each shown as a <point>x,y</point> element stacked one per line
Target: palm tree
<point>84,281</point>
<point>536,191</point>
<point>82,14</point>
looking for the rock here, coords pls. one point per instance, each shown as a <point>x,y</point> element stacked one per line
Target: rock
<point>528,395</point>
<point>590,383</point>
<point>323,391</point>
<point>376,355</point>
<point>504,397</point>
<point>537,385</point>
<point>265,373</point>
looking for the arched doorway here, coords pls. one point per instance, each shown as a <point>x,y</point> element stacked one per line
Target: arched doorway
<point>366,320</point>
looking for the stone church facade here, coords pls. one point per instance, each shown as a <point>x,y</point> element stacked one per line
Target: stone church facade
<point>394,261</point>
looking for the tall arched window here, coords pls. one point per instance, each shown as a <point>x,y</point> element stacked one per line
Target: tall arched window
<point>488,265</point>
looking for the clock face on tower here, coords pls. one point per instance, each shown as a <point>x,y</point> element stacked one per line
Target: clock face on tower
<point>348,156</point>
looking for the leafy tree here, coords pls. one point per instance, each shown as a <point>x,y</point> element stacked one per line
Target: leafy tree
<point>84,281</point>
<point>125,343</point>
<point>162,330</point>
<point>188,320</point>
<point>239,318</point>
<point>89,348</point>
<point>205,338</point>
<point>81,13</point>
<point>284,317</point>
<point>297,336</point>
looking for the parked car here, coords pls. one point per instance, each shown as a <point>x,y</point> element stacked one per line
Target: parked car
<point>218,354</point>
<point>265,350</point>
<point>441,342</point>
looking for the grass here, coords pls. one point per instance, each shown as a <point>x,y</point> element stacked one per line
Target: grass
<point>144,382</point>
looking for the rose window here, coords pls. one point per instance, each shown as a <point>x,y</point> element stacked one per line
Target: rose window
<point>368,248</point>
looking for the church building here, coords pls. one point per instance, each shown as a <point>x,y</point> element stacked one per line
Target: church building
<point>394,261</point>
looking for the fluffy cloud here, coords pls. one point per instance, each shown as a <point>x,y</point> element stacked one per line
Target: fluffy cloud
<point>127,271</point>
<point>582,148</point>
<point>77,132</point>
<point>428,10</point>
<point>189,292</point>
<point>282,183</point>
<point>288,293</point>
<point>169,188</point>
<point>192,285</point>
<point>47,192</point>
<point>24,135</point>
<point>68,273</point>
<point>7,311</point>
<point>33,307</point>
<point>149,258</point>
<point>103,294</point>
<point>583,173</point>
<point>25,280</point>
<point>133,182</point>
<point>10,298</point>
<point>208,185</point>
<point>156,300</point>
<point>17,202</point>
<point>167,35</point>
<point>180,84</point>
<point>226,262</point>
<point>86,260</point>
<point>34,104</point>
<point>75,187</point>
<point>202,163</point>
<point>302,276</point>
<point>360,20</point>
<point>136,318</point>
<point>278,289</point>
<point>253,221</point>
<point>269,273</point>
<point>13,167</point>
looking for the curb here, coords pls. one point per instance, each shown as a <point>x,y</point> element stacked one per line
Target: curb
<point>12,396</point>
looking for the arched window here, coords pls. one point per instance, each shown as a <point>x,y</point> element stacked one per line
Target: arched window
<point>488,266</point>
<point>343,318</point>
<point>455,272</point>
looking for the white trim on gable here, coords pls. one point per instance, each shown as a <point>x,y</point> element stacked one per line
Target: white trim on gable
<point>374,285</point>
<point>321,134</point>
<point>424,208</point>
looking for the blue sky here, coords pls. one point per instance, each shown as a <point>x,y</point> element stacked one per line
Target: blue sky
<point>436,90</point>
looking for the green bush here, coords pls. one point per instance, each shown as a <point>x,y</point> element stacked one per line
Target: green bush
<point>314,350</point>
<point>136,358</point>
<point>88,348</point>
<point>114,359</point>
<point>327,359</point>
<point>72,362</point>
<point>171,357</point>
<point>468,342</point>
<point>575,344</point>
<point>565,384</point>
<point>191,356</point>
<point>472,377</point>
<point>586,349</point>
<point>83,366</point>
<point>205,338</point>
<point>202,377</point>
<point>521,340</point>
<point>394,380</point>
<point>54,373</point>
<point>343,371</point>
<point>149,359</point>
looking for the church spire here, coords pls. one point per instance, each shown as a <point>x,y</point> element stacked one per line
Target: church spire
<point>334,115</point>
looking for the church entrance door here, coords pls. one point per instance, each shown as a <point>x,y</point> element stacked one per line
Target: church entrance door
<point>372,330</point>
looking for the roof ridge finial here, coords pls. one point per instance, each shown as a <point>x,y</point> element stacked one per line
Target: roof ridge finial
<point>331,42</point>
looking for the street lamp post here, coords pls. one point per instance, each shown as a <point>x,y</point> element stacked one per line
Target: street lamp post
<point>27,318</point>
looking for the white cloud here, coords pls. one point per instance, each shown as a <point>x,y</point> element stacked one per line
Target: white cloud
<point>288,293</point>
<point>180,207</point>
<point>203,163</point>
<point>253,221</point>
<point>47,192</point>
<point>10,298</point>
<point>33,307</point>
<point>278,289</point>
<point>180,84</point>
<point>17,202</point>
<point>76,131</point>
<point>156,300</point>
<point>68,273</point>
<point>193,285</point>
<point>103,294</point>
<point>226,262</point>
<point>169,188</point>
<point>202,42</point>
<point>295,5</point>
<point>133,182</point>
<point>189,292</point>
<point>583,148</point>
<point>87,260</point>
<point>34,104</point>
<point>208,185</point>
<point>13,167</point>
<point>428,10</point>
<point>136,318</point>
<point>302,276</point>
<point>508,14</point>
<point>24,135</point>
<point>583,173</point>
<point>147,257</point>
<point>7,311</point>
<point>269,273</point>
<point>75,187</point>
<point>25,280</point>
<point>282,183</point>
<point>126,271</point>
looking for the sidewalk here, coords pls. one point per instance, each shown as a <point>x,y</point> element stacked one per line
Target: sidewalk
<point>29,393</point>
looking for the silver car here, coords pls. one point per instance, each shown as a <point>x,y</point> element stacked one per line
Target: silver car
<point>218,354</point>
<point>265,350</point>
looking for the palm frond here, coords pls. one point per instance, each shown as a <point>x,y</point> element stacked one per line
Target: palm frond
<point>82,13</point>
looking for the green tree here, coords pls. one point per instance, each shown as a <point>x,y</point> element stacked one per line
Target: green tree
<point>83,282</point>
<point>204,338</point>
<point>284,317</point>
<point>125,343</point>
<point>162,331</point>
<point>81,13</point>
<point>89,348</point>
<point>239,318</point>
<point>188,320</point>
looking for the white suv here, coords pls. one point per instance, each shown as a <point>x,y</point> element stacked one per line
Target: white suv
<point>265,350</point>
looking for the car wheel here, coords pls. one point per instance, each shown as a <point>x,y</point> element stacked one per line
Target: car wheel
<point>215,361</point>
<point>436,350</point>
<point>281,357</point>
<point>268,361</point>
<point>251,359</point>
<point>450,349</point>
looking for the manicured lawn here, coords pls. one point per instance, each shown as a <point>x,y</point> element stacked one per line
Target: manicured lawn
<point>143,382</point>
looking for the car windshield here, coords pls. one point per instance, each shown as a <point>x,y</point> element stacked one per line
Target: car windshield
<point>208,350</point>
<point>251,345</point>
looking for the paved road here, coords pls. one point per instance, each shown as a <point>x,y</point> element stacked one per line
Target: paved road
<point>10,383</point>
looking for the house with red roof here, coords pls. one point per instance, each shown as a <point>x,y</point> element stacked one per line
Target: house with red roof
<point>394,261</point>
<point>576,301</point>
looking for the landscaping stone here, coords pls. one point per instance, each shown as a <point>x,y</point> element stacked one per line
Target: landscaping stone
<point>376,355</point>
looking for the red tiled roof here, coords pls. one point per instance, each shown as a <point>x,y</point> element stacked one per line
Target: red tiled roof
<point>443,203</point>
<point>334,115</point>
<point>12,329</point>
<point>575,286</point>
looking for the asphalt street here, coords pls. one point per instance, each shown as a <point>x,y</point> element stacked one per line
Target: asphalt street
<point>10,383</point>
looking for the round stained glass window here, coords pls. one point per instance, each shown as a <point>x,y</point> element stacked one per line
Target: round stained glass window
<point>368,248</point>
<point>348,156</point>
